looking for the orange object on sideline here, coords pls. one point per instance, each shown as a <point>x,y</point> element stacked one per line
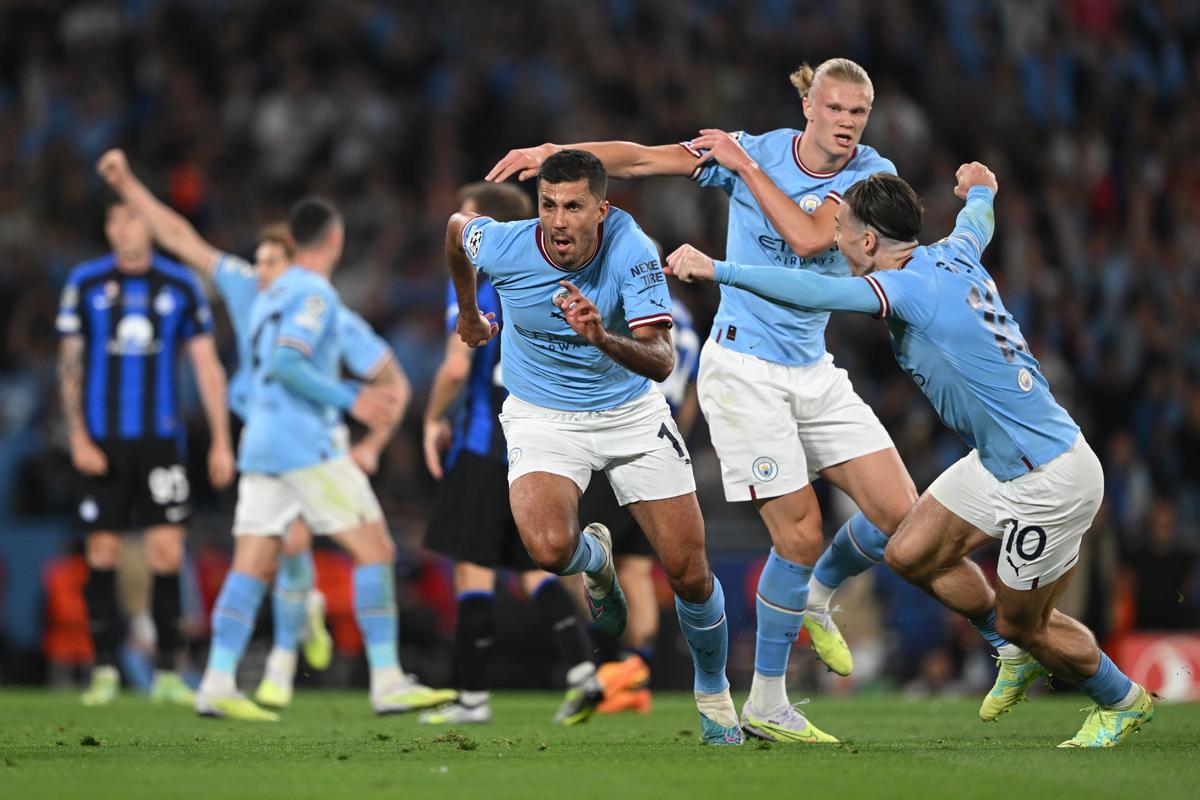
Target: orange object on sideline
<point>67,639</point>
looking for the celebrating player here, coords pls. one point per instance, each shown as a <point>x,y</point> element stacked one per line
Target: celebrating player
<point>586,329</point>
<point>122,320</point>
<point>298,609</point>
<point>1030,481</point>
<point>472,521</point>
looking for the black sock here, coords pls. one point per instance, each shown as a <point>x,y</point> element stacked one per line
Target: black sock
<point>561,615</point>
<point>473,638</point>
<point>101,597</point>
<point>608,648</point>
<point>167,608</point>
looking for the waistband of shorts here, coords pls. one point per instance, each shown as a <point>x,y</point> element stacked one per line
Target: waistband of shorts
<point>747,358</point>
<point>514,404</point>
<point>1042,468</point>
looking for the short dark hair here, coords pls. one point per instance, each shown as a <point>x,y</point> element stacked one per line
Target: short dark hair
<point>566,166</point>
<point>503,202</point>
<point>277,233</point>
<point>310,219</point>
<point>888,204</point>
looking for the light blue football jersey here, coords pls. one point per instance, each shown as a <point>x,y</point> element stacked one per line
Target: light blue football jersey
<point>361,350</point>
<point>285,432</point>
<point>745,322</point>
<point>951,332</point>
<point>545,362</point>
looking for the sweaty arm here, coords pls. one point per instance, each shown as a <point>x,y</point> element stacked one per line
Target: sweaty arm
<point>649,353</point>
<point>296,373</point>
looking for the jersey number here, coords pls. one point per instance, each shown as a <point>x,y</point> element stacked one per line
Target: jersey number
<point>255,359</point>
<point>1030,541</point>
<point>665,433</point>
<point>997,321</point>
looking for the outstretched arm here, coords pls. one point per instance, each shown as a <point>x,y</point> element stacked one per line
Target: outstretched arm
<point>169,229</point>
<point>621,159</point>
<point>475,328</point>
<point>977,220</point>
<point>797,288</point>
<point>648,352</point>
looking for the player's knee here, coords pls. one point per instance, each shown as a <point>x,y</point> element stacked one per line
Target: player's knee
<point>903,559</point>
<point>691,580</point>
<point>1021,630</point>
<point>551,552</point>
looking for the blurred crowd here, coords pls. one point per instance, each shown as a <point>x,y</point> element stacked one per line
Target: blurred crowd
<point>1087,110</point>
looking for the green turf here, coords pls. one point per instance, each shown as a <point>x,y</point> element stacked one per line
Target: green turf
<point>329,745</point>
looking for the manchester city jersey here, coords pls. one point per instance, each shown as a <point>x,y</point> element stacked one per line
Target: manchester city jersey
<point>953,335</point>
<point>545,362</point>
<point>283,431</point>
<point>745,322</point>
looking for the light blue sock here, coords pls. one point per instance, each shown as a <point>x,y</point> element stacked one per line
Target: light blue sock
<point>856,547</point>
<point>1108,686</point>
<point>233,619</point>
<point>707,635</point>
<point>375,613</point>
<point>782,598</point>
<point>986,625</point>
<point>292,585</point>
<point>589,555</point>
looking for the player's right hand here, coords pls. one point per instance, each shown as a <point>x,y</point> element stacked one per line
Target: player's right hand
<point>974,174</point>
<point>524,163</point>
<point>378,407</point>
<point>477,329</point>
<point>436,441</point>
<point>689,264</point>
<point>113,166</point>
<point>87,457</point>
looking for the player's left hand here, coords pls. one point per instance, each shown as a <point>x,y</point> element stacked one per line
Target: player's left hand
<point>581,314</point>
<point>971,175</point>
<point>478,329</point>
<point>221,466</point>
<point>366,457</point>
<point>689,265</point>
<point>724,149</point>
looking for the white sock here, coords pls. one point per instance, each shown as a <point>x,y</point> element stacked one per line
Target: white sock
<point>580,673</point>
<point>1010,652</point>
<point>281,666</point>
<point>218,683</point>
<point>767,693</point>
<point>819,595</point>
<point>386,679</point>
<point>472,699</point>
<point>718,707</point>
<point>1130,698</point>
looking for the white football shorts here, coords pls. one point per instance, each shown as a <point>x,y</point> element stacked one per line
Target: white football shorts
<point>332,497</point>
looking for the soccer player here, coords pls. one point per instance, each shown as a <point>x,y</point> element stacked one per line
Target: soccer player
<point>294,462</point>
<point>298,608</point>
<point>1030,481</point>
<point>472,522</point>
<point>779,411</point>
<point>586,330</point>
<point>123,318</point>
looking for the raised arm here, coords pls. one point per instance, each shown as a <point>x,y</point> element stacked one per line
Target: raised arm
<point>170,230</point>
<point>806,234</point>
<point>210,380</point>
<point>977,220</point>
<point>797,288</point>
<point>621,159</point>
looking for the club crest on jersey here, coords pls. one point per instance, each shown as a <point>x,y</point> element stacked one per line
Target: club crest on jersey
<point>89,509</point>
<point>809,203</point>
<point>473,242</point>
<point>765,469</point>
<point>514,457</point>
<point>164,303</point>
<point>562,293</point>
<point>1025,380</point>
<point>309,316</point>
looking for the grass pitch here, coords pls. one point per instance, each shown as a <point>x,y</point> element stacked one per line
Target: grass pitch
<point>329,745</point>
